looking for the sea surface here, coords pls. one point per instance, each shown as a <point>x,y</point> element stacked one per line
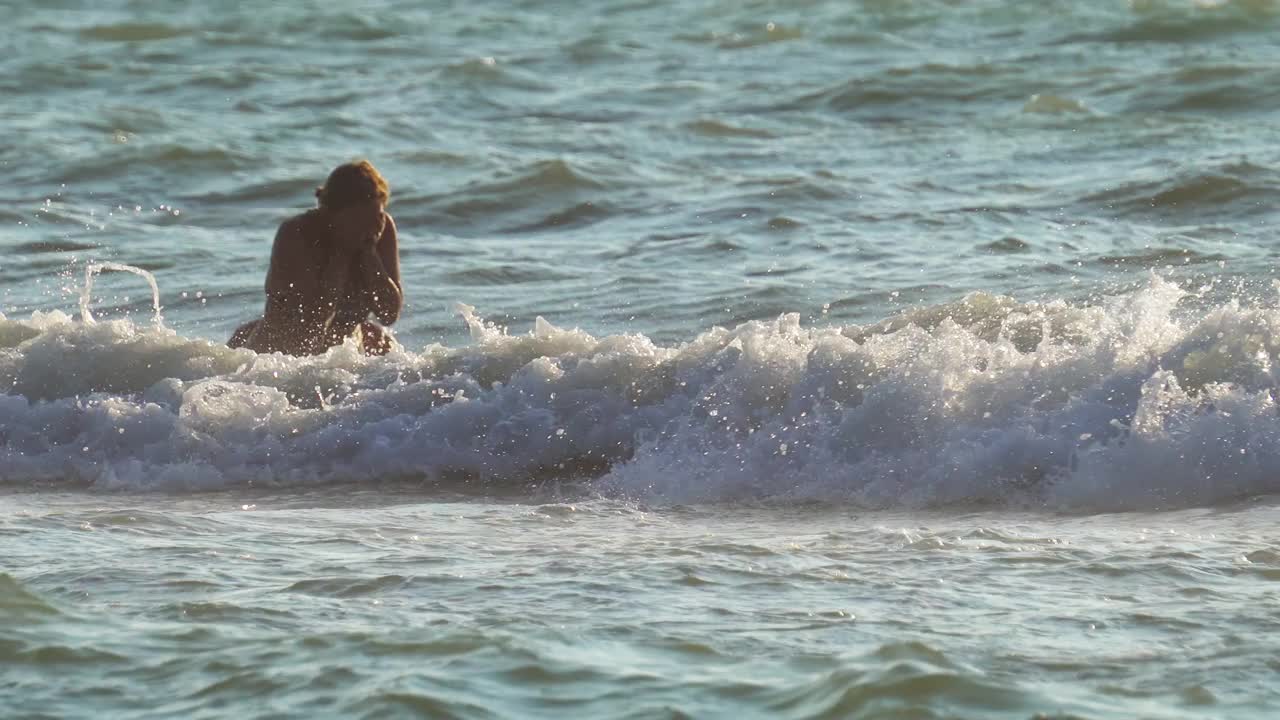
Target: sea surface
<point>811,359</point>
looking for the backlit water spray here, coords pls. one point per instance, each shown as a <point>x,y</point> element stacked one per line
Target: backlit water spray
<point>92,269</point>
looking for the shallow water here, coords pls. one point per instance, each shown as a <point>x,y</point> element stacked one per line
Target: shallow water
<point>874,359</point>
<point>388,603</point>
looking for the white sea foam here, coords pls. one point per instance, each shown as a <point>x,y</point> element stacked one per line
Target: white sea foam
<point>1128,403</point>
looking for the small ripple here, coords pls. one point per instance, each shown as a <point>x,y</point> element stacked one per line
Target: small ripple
<point>432,157</point>
<point>133,32</point>
<point>160,158</point>
<point>1197,695</point>
<point>594,49</point>
<point>542,674</point>
<point>52,246</point>
<point>717,128</point>
<point>1236,186</point>
<point>235,78</point>
<point>737,549</point>
<point>500,275</point>
<point>765,34</point>
<point>348,587</point>
<point>123,121</point>
<point>240,685</point>
<point>580,215</point>
<point>55,655</point>
<point>929,84</point>
<point>1006,246</point>
<point>358,26</point>
<point>783,223</point>
<point>1169,623</point>
<point>1212,89</point>
<point>226,612</point>
<point>1204,22</point>
<point>689,579</point>
<point>417,704</point>
<point>489,71</point>
<point>1159,257</point>
<point>776,272</point>
<point>329,100</point>
<point>536,185</point>
<point>907,679</point>
<point>461,644</point>
<point>1049,104</point>
<point>257,191</point>
<point>716,246</point>
<point>1264,557</point>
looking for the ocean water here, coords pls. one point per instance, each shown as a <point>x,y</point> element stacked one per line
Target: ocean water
<point>817,359</point>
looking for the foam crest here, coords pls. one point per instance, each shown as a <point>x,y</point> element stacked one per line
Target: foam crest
<point>1130,402</point>
<point>988,402</point>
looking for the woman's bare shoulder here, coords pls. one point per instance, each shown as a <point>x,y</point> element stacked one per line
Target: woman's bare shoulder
<point>295,232</point>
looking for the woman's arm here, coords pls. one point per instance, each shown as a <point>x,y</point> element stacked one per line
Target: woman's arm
<point>380,271</point>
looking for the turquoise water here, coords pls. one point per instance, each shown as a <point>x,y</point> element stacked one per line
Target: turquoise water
<point>382,604</point>
<point>813,359</point>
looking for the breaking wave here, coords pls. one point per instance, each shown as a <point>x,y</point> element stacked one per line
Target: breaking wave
<point>1135,401</point>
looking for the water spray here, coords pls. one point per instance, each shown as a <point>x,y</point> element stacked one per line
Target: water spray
<point>92,269</point>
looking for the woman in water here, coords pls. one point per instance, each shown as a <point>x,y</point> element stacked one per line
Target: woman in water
<point>331,267</point>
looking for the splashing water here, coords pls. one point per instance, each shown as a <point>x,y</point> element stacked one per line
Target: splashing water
<point>1128,403</point>
<point>92,269</point>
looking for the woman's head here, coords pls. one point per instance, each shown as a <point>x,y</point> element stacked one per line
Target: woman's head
<point>353,183</point>
<point>355,195</point>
